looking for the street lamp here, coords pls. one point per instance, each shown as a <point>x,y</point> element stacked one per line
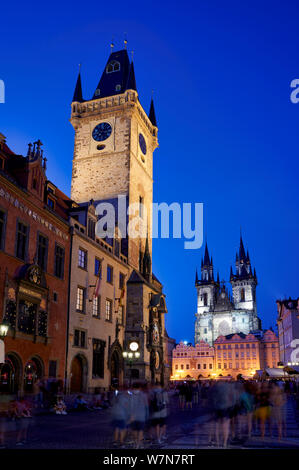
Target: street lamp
<point>3,333</point>
<point>131,355</point>
<point>3,329</point>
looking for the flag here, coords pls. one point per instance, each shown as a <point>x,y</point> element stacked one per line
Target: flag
<point>98,283</point>
<point>121,298</point>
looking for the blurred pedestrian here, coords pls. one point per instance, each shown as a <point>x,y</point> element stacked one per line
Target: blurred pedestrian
<point>139,413</point>
<point>263,407</point>
<point>158,399</point>
<point>120,414</point>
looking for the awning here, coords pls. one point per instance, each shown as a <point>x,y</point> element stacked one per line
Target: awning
<point>275,372</point>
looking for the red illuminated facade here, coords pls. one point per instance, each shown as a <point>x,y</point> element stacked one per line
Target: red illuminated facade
<point>34,264</point>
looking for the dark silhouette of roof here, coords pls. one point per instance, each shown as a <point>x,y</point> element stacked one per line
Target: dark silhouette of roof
<point>152,114</point>
<point>131,84</point>
<point>115,77</point>
<point>78,90</point>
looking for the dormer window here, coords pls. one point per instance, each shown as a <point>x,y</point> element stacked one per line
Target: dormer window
<point>117,88</point>
<point>97,92</point>
<point>51,203</point>
<point>51,188</point>
<point>113,66</point>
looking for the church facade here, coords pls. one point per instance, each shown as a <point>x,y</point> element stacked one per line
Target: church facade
<point>218,312</point>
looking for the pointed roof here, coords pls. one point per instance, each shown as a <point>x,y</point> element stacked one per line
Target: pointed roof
<point>78,90</point>
<point>115,77</point>
<point>242,254</point>
<point>206,260</point>
<point>152,114</point>
<point>131,85</point>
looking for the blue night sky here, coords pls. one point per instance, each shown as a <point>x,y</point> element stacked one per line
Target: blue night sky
<point>228,132</point>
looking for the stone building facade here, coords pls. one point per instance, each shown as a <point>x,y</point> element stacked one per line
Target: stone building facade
<point>245,354</point>
<point>113,159</point>
<point>34,260</point>
<point>193,361</point>
<point>96,319</point>
<point>230,356</point>
<point>288,330</point>
<point>219,312</point>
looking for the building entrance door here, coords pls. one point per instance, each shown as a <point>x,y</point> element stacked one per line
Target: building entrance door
<point>76,375</point>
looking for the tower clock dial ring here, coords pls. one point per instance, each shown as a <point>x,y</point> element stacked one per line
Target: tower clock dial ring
<point>142,144</point>
<point>102,131</point>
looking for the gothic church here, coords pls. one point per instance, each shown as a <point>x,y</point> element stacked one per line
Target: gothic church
<point>219,313</point>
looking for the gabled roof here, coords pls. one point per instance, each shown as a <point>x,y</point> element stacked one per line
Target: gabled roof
<point>136,277</point>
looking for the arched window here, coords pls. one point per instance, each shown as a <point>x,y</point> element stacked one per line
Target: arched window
<point>243,295</point>
<point>205,299</point>
<point>113,66</point>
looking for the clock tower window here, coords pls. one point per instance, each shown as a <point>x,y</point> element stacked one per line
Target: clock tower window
<point>113,66</point>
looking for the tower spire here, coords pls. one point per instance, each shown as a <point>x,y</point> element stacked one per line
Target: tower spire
<point>242,254</point>
<point>206,261</point>
<point>78,89</point>
<point>131,85</point>
<point>152,114</point>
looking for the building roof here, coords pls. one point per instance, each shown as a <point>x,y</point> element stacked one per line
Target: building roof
<point>152,114</point>
<point>122,74</point>
<point>78,90</point>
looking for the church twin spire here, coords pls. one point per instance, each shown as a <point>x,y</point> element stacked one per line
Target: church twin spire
<point>243,267</point>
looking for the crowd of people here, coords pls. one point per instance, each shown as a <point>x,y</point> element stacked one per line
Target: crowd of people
<point>232,409</point>
<point>238,407</point>
<point>136,409</point>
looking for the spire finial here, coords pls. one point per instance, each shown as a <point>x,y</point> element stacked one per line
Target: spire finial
<point>125,41</point>
<point>132,55</point>
<point>112,46</point>
<point>80,65</point>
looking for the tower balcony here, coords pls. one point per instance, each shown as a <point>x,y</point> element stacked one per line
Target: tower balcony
<point>128,100</point>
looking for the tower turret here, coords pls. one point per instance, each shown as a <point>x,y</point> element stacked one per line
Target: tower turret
<point>243,281</point>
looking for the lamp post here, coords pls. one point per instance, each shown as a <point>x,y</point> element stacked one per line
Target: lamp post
<point>131,355</point>
<point>3,332</point>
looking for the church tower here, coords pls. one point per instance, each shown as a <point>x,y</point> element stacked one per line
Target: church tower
<point>244,282</point>
<point>114,144</point>
<point>206,294</point>
<point>113,156</point>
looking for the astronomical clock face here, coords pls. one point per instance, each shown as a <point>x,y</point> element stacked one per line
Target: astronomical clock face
<point>142,144</point>
<point>102,131</point>
<point>35,276</point>
<point>155,334</point>
<point>157,360</point>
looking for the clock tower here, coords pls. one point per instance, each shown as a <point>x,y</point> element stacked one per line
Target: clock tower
<point>113,156</point>
<point>114,144</point>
